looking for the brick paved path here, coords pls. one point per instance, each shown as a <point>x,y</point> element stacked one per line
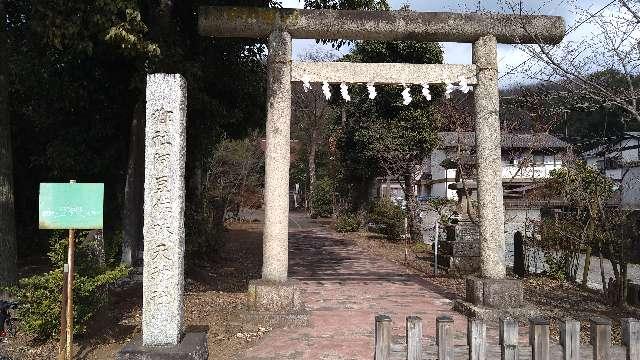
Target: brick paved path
<point>345,289</point>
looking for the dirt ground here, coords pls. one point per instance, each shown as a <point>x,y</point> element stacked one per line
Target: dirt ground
<point>213,296</point>
<point>553,298</point>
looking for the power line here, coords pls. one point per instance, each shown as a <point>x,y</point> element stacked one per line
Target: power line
<point>572,29</point>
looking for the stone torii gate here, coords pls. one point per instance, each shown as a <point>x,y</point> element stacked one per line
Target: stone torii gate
<point>484,31</point>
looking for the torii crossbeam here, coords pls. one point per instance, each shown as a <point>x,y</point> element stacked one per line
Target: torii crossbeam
<point>484,31</point>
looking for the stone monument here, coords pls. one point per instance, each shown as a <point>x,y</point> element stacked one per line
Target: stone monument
<point>462,246</point>
<point>163,335</point>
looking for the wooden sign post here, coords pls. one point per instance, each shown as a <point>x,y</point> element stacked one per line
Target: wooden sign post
<point>63,313</point>
<point>70,206</point>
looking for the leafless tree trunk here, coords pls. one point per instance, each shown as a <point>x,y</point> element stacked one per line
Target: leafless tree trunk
<point>413,217</point>
<point>633,11</point>
<point>603,278</point>
<point>311,119</point>
<point>579,66</point>
<point>587,257</point>
<point>388,193</point>
<point>8,250</point>
<point>163,31</point>
<point>132,242</point>
<point>313,149</point>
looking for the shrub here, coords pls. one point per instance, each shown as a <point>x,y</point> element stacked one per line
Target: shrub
<point>388,218</point>
<point>556,265</point>
<point>347,223</point>
<point>113,249</point>
<point>87,261</point>
<point>40,296</point>
<point>421,247</point>
<point>322,198</point>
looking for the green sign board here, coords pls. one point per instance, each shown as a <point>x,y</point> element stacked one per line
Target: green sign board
<point>71,206</point>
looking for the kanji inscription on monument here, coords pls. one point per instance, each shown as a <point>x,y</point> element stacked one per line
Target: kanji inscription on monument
<point>163,279</point>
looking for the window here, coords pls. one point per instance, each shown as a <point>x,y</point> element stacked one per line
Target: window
<point>510,159</point>
<point>538,159</point>
<point>549,159</point>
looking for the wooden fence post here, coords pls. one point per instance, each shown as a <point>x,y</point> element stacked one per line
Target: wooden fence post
<point>444,337</point>
<point>414,338</point>
<point>570,339</point>
<point>477,339</point>
<point>539,338</point>
<point>631,337</point>
<point>383,337</point>
<point>601,338</point>
<point>509,339</point>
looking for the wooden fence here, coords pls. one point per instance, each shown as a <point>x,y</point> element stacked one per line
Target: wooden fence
<point>477,348</point>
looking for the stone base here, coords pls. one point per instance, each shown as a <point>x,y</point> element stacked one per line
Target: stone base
<point>493,315</point>
<point>492,299</point>
<point>464,265</point>
<point>275,305</point>
<point>494,293</point>
<point>192,347</point>
<point>274,296</point>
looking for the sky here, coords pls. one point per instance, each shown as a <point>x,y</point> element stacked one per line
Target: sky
<point>509,56</point>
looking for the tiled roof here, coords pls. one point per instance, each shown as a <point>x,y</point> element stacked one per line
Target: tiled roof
<point>614,144</point>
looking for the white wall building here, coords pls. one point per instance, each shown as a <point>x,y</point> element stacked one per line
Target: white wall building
<point>619,159</point>
<point>527,160</point>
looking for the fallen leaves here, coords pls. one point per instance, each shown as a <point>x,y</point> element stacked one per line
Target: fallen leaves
<point>555,299</point>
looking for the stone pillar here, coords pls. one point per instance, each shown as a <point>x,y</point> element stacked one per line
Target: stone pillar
<point>276,187</point>
<point>164,189</point>
<point>163,334</point>
<point>490,204</point>
<point>274,300</point>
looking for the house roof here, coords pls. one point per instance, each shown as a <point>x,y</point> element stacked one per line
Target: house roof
<point>509,140</point>
<point>614,144</point>
<point>633,134</point>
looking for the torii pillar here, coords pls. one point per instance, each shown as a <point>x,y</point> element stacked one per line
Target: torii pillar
<point>274,292</point>
<point>275,262</point>
<point>488,151</point>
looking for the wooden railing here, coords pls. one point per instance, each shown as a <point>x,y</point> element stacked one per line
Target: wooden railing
<point>507,348</point>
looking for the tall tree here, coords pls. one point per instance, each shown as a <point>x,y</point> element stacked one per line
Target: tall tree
<point>223,76</point>
<point>70,84</point>
<point>395,136</point>
<point>311,118</point>
<point>77,78</point>
<point>132,211</point>
<point>8,248</point>
<point>163,33</point>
